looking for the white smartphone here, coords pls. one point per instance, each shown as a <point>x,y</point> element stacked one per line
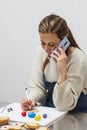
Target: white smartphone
<point>64,43</point>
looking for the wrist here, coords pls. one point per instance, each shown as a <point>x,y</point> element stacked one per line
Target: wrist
<point>62,78</point>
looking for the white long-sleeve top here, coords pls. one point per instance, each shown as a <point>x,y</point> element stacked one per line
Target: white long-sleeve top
<point>65,95</point>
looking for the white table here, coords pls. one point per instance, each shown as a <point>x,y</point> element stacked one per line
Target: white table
<point>70,121</point>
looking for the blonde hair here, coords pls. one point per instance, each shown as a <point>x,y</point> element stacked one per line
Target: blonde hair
<point>56,24</point>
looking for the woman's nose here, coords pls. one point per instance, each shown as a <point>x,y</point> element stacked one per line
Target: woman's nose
<point>46,48</point>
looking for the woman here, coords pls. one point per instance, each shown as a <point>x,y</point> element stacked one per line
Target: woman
<point>59,78</point>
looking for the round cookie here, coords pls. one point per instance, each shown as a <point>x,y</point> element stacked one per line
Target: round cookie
<point>15,128</point>
<point>32,125</point>
<point>4,120</point>
<point>42,128</point>
<point>4,127</point>
<point>25,126</point>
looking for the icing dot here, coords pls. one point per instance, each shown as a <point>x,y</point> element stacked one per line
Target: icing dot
<point>5,126</point>
<point>16,124</point>
<point>23,113</point>
<point>31,114</point>
<point>38,117</point>
<point>44,115</point>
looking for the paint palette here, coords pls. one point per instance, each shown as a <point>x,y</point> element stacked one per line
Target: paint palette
<point>51,114</point>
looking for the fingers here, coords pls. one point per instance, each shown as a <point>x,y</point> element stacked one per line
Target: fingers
<point>25,108</point>
<point>59,51</point>
<point>62,52</point>
<point>59,55</point>
<point>32,103</point>
<point>24,104</point>
<point>27,105</point>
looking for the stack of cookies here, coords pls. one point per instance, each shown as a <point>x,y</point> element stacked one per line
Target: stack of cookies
<point>4,120</point>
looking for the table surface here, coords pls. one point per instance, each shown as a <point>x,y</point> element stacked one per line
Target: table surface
<point>70,121</point>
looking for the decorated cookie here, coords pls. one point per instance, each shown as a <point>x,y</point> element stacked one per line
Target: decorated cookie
<point>4,127</point>
<point>15,128</point>
<point>18,124</point>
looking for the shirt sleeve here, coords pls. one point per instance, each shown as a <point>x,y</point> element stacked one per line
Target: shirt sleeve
<point>65,95</point>
<point>37,91</point>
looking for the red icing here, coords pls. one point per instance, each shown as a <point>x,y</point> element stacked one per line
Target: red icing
<point>16,124</point>
<point>5,126</point>
<point>23,113</point>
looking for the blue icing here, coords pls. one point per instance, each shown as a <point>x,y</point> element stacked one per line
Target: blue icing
<point>31,114</point>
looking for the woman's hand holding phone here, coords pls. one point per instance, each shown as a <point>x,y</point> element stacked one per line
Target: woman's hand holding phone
<point>59,53</point>
<point>61,58</point>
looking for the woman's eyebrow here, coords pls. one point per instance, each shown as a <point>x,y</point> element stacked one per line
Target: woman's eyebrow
<point>48,42</point>
<point>41,41</point>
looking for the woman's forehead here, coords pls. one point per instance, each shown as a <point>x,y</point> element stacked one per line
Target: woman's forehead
<point>48,37</point>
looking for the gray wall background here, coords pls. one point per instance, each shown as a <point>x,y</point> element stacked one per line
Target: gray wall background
<point>19,38</point>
